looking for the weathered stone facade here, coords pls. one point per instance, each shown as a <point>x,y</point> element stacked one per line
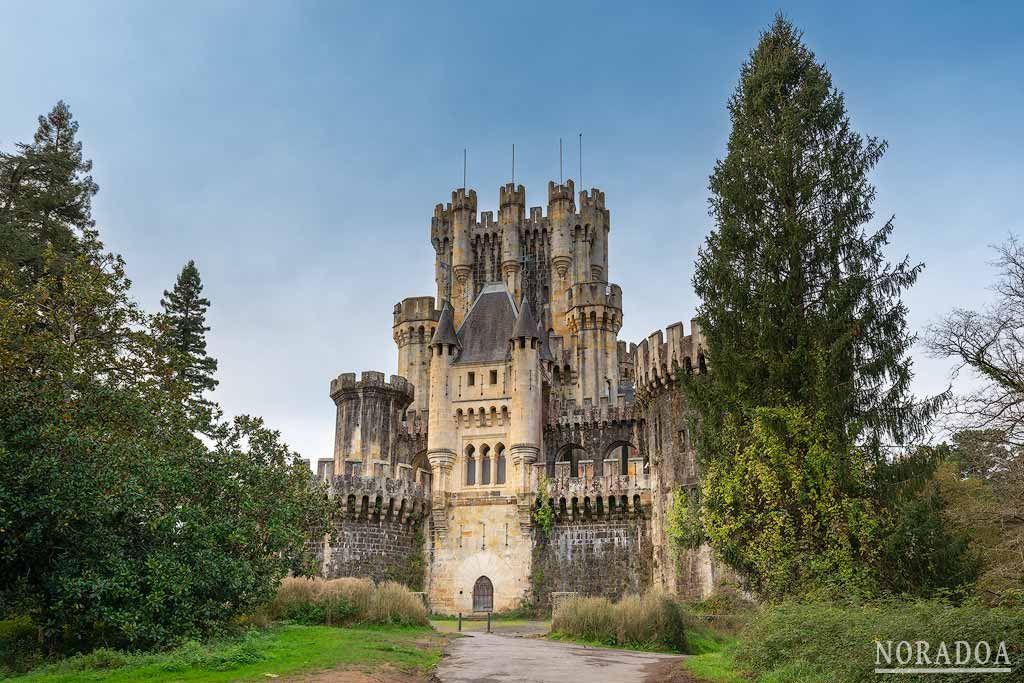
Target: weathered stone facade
<point>378,529</point>
<point>511,376</point>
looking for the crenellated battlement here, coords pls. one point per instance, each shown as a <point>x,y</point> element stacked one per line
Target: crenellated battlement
<point>415,309</point>
<point>567,414</point>
<point>657,359</point>
<point>561,196</point>
<point>511,195</point>
<point>370,379</point>
<point>578,499</point>
<point>464,200</point>
<point>363,497</point>
<point>592,201</point>
<point>595,294</point>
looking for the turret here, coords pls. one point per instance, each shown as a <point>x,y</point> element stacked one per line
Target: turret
<point>415,320</point>
<point>441,437</point>
<point>595,318</point>
<point>441,238</point>
<point>596,217</point>
<point>560,213</point>
<point>526,428</point>
<point>463,217</point>
<point>368,423</point>
<point>512,203</point>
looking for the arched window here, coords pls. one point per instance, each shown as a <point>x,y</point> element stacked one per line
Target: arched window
<point>470,466</point>
<point>624,460</point>
<point>499,477</point>
<point>485,465</point>
<point>483,595</point>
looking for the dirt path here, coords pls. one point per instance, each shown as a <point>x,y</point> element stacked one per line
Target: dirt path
<point>490,658</point>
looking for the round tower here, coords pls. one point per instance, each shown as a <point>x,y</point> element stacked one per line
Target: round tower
<point>368,425</point>
<point>415,320</point>
<point>595,318</point>
<point>463,216</point>
<point>441,435</point>
<point>526,427</point>
<point>512,208</point>
<point>560,213</point>
<point>597,218</point>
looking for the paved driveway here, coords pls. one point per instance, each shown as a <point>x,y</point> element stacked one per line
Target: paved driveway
<point>490,658</point>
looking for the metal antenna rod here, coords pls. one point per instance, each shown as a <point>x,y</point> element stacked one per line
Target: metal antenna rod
<point>513,163</point>
<point>581,162</point>
<point>559,161</point>
<point>463,169</point>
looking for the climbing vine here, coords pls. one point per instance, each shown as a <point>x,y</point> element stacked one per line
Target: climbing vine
<point>543,515</point>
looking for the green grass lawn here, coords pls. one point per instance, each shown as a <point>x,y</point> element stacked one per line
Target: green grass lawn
<point>279,650</point>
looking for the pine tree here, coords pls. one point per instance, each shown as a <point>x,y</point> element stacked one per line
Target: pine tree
<point>185,337</point>
<point>46,198</point>
<point>807,339</point>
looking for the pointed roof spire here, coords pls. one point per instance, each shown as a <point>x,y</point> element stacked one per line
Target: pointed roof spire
<point>545,351</point>
<point>445,332</point>
<point>526,325</point>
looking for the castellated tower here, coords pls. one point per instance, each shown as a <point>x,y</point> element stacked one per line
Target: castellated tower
<point>415,320</point>
<point>369,435</point>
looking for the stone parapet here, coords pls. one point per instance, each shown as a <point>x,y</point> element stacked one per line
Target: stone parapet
<point>659,358</point>
<point>370,379</point>
<point>568,413</point>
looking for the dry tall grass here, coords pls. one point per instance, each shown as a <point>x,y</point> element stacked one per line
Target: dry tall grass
<point>346,601</point>
<point>651,621</point>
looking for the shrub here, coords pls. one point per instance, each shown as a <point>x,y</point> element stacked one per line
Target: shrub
<point>651,621</point>
<point>837,643</point>
<point>19,644</point>
<point>346,601</point>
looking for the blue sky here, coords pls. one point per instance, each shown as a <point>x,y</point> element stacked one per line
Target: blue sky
<point>296,150</point>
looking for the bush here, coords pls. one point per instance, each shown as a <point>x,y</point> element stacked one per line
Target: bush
<point>837,643</point>
<point>346,601</point>
<point>19,644</point>
<point>651,621</point>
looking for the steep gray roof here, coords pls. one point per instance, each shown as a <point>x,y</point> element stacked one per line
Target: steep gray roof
<point>526,324</point>
<point>545,351</point>
<point>445,332</point>
<point>485,332</point>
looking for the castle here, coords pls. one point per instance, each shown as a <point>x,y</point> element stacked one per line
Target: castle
<point>515,392</point>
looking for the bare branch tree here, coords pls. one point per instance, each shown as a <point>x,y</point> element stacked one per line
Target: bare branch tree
<point>990,343</point>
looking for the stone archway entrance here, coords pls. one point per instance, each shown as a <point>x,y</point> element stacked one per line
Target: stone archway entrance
<point>483,595</point>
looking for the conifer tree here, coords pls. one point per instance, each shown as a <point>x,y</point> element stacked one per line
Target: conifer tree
<point>807,339</point>
<point>185,337</point>
<point>46,195</point>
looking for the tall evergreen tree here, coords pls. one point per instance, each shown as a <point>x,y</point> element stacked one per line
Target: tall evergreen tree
<point>184,320</point>
<point>46,195</point>
<point>807,338</point>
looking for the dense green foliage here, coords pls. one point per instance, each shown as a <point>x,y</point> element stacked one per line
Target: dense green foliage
<point>278,651</point>
<point>824,642</point>
<point>118,526</point>
<point>46,198</point>
<point>184,318</point>
<point>808,359</point>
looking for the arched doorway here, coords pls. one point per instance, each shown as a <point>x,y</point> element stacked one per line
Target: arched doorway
<point>483,595</point>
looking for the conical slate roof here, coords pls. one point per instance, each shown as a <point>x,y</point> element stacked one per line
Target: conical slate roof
<point>445,332</point>
<point>526,324</point>
<point>545,352</point>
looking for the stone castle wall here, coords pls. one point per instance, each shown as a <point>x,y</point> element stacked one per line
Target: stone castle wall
<point>378,530</point>
<point>608,556</point>
<point>600,543</point>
